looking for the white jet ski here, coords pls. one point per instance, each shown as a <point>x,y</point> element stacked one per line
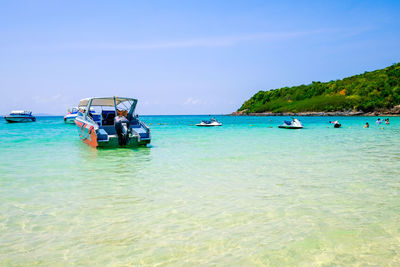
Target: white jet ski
<point>294,124</point>
<point>212,122</point>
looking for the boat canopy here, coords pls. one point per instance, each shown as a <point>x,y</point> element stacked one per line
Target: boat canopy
<point>20,112</point>
<point>118,104</point>
<point>106,101</point>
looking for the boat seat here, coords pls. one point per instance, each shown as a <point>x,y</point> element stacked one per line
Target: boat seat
<point>142,132</point>
<point>108,118</point>
<point>102,135</point>
<point>135,124</point>
<point>109,129</point>
<point>96,118</point>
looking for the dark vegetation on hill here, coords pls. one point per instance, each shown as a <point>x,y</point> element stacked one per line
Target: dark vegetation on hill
<point>371,91</point>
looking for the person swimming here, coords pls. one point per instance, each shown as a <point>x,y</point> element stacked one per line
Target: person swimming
<point>366,125</point>
<point>378,121</point>
<point>387,121</point>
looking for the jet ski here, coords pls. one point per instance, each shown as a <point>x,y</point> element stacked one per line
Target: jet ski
<point>336,124</point>
<point>210,123</point>
<point>293,124</point>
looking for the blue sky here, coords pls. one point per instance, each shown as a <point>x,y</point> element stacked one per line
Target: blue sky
<point>184,57</point>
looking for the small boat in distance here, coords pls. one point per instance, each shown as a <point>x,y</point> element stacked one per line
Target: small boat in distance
<point>111,122</point>
<point>293,124</point>
<point>71,115</point>
<point>20,116</point>
<point>210,123</point>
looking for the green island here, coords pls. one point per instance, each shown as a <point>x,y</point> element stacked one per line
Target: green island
<point>370,93</point>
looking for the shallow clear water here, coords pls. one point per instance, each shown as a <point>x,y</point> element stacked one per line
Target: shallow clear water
<point>242,194</point>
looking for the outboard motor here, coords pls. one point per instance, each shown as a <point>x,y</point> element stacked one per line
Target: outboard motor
<point>121,125</point>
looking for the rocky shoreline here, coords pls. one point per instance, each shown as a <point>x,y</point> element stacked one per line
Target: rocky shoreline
<point>392,113</point>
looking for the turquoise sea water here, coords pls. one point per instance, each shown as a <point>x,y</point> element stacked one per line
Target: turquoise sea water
<point>243,194</point>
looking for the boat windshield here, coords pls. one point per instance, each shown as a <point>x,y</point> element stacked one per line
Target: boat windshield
<point>20,112</point>
<point>73,110</point>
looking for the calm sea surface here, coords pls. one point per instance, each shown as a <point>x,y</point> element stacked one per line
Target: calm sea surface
<point>244,194</point>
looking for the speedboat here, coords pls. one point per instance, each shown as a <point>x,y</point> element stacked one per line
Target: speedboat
<point>71,115</point>
<point>111,122</point>
<point>20,116</point>
<point>293,124</point>
<point>211,122</point>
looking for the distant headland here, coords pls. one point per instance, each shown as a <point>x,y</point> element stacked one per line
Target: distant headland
<point>369,94</point>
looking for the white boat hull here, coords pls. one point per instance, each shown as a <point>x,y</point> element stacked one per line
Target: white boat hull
<point>70,119</point>
<point>290,127</point>
<point>12,119</point>
<point>209,124</point>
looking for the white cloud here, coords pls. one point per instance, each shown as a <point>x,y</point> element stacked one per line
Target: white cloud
<point>192,101</point>
<point>219,41</point>
<point>47,99</point>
